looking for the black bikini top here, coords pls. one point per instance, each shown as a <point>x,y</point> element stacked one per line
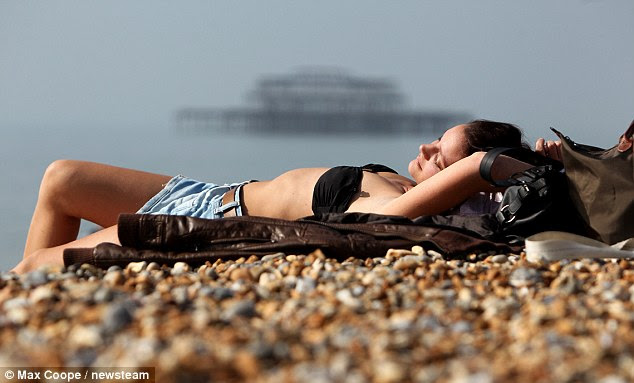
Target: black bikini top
<point>335,188</point>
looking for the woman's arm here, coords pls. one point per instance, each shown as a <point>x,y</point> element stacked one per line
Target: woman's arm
<point>442,191</point>
<point>451,186</point>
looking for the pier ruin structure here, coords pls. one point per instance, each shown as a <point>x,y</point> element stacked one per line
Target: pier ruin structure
<point>320,101</point>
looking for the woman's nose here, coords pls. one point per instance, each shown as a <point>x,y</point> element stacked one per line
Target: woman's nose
<point>427,150</point>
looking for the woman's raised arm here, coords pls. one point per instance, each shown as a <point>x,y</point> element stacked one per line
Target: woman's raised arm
<point>451,186</point>
<point>442,191</point>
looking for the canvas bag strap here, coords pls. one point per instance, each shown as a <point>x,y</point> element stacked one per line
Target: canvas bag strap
<point>552,246</point>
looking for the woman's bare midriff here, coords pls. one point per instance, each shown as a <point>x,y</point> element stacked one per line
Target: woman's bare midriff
<point>290,195</point>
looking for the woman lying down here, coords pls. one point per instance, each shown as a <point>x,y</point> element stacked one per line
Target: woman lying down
<point>443,174</point>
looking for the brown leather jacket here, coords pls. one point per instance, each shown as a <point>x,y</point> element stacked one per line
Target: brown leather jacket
<point>167,239</point>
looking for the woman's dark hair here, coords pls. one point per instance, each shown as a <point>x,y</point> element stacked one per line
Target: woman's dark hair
<point>483,135</point>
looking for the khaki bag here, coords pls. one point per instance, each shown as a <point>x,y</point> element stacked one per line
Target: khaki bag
<point>601,185</point>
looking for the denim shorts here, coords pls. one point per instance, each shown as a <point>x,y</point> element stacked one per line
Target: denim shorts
<point>185,196</point>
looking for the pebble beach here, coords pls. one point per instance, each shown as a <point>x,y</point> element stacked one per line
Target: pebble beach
<point>408,316</point>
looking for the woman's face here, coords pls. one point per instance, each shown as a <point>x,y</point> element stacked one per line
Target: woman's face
<point>436,156</point>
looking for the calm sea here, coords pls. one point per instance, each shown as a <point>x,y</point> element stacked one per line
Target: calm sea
<point>26,151</point>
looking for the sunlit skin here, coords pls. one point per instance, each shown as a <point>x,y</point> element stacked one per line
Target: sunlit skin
<point>442,177</point>
<point>439,154</point>
<point>549,148</point>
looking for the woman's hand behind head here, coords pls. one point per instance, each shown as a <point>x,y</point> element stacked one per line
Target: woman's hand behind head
<point>551,149</point>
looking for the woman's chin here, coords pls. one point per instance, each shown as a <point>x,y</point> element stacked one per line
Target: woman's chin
<point>415,173</point>
<point>413,169</point>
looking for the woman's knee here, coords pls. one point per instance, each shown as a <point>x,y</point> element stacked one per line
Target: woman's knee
<point>58,179</point>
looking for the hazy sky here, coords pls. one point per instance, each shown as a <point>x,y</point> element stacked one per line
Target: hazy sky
<point>565,63</point>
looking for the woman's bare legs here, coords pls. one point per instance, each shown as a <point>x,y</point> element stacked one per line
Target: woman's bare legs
<point>54,255</point>
<point>74,190</point>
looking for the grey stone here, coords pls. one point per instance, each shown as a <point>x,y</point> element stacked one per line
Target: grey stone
<point>305,285</point>
<point>220,293</point>
<point>206,291</point>
<point>499,258</point>
<point>524,276</point>
<point>103,295</point>
<point>36,278</point>
<point>357,290</point>
<point>211,274</point>
<point>179,294</point>
<point>244,308</point>
<point>117,316</point>
<point>67,275</point>
<point>345,296</point>
<point>17,302</point>
<point>271,257</point>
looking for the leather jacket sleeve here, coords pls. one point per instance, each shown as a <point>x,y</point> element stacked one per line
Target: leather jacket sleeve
<point>167,239</point>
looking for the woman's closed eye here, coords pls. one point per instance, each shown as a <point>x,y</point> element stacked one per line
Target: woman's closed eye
<point>437,161</point>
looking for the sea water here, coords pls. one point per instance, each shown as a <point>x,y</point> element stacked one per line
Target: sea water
<point>25,152</point>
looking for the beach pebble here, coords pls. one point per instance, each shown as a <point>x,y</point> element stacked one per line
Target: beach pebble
<point>305,285</point>
<point>434,255</point>
<point>524,276</point>
<point>368,278</point>
<point>114,277</point>
<point>17,302</point>
<point>612,379</point>
<point>85,336</point>
<point>88,271</point>
<point>41,293</point>
<point>66,275</point>
<point>499,258</point>
<point>240,273</point>
<point>397,253</point>
<point>117,316</point>
<point>211,274</point>
<point>221,293</point>
<point>346,297</point>
<point>103,295</point>
<point>6,276</point>
<point>565,283</point>
<point>272,257</point>
<point>244,308</point>
<point>388,372</point>
<point>405,316</point>
<point>36,278</point>
<point>180,295</point>
<point>418,250</point>
<point>180,268</point>
<point>16,310</point>
<point>409,262</point>
<point>17,315</point>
